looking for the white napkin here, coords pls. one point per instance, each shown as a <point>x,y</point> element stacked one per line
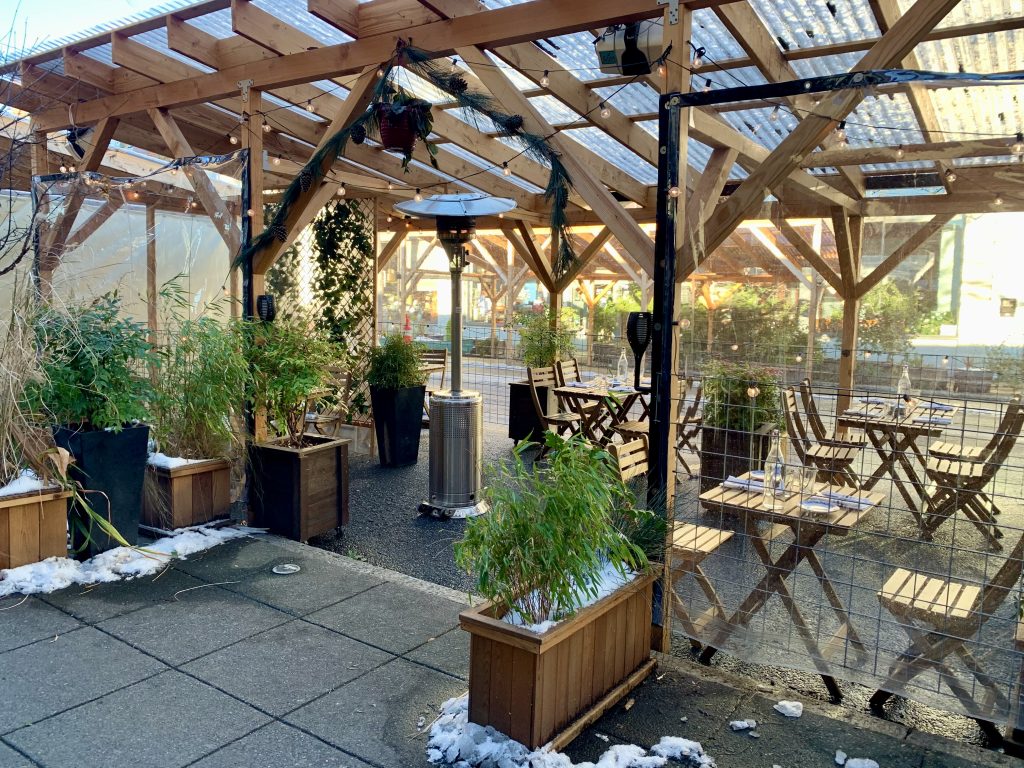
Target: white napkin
<point>742,484</point>
<point>845,501</point>
<point>939,407</point>
<point>942,420</point>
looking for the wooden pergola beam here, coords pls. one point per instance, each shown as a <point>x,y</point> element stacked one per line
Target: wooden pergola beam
<point>391,247</point>
<point>633,239</point>
<point>205,191</point>
<point>813,129</point>
<point>501,26</point>
<point>583,259</point>
<point>898,256</point>
<point>810,255</point>
<point>526,253</point>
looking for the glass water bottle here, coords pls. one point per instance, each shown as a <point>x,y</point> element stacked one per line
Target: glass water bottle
<point>622,369</point>
<point>774,472</point>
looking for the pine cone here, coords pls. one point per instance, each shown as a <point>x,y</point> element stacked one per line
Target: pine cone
<point>457,84</point>
<point>305,180</point>
<point>512,123</point>
<point>358,133</point>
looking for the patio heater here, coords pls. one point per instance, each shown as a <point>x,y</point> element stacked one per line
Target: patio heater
<point>456,416</point>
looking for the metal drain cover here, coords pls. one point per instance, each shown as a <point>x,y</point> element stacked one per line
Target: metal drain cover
<point>286,569</point>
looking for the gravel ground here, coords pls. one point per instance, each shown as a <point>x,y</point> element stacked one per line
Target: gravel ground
<point>386,530</point>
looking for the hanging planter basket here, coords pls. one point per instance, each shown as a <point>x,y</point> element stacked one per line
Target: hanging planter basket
<point>399,126</point>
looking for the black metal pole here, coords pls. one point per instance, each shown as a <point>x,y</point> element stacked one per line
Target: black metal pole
<point>662,369</point>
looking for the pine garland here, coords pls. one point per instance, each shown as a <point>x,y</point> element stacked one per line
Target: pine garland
<point>477,104</point>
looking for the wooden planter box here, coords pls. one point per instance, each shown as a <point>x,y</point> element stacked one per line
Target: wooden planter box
<point>541,689</point>
<point>299,492</point>
<point>191,494</point>
<point>33,527</point>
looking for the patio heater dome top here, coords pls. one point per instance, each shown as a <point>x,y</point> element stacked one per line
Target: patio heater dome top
<point>461,204</point>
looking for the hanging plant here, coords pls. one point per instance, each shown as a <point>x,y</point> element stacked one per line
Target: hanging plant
<point>394,116</point>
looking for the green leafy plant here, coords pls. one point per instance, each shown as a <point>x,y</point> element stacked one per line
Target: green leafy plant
<point>550,532</point>
<point>541,344</point>
<point>343,288</point>
<point>93,364</point>
<point>289,364</point>
<point>891,314</point>
<point>727,401</point>
<point>395,364</point>
<point>202,379</point>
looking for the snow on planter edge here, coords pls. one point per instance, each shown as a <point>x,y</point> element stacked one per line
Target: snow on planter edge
<point>115,564</point>
<point>26,482</point>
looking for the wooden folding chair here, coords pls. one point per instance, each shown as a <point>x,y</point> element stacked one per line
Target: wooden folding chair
<point>328,421</point>
<point>688,547</point>
<point>834,462</point>
<point>960,486</point>
<point>821,434</point>
<point>940,616</point>
<point>433,357</point>
<point>687,429</point>
<point>958,452</point>
<point>568,371</point>
<point>558,422</point>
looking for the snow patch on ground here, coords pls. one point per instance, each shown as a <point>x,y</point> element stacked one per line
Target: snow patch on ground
<point>26,482</point>
<point>456,741</point>
<point>609,580</point>
<point>742,725</point>
<point>163,461</point>
<point>789,708</point>
<point>861,762</point>
<point>116,564</point>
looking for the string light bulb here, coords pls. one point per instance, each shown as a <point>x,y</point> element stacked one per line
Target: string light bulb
<point>673,192</point>
<point>734,347</point>
<point>390,185</point>
<point>950,175</point>
<point>707,85</point>
<point>505,169</point>
<point>841,133</point>
<point>753,390</point>
<point>661,70</point>
<point>998,200</point>
<point>266,127</point>
<point>249,212</point>
<point>310,107</point>
<point>1018,145</point>
<point>341,190</point>
<point>63,169</point>
<point>276,160</point>
<point>605,112</point>
<point>774,116</point>
<point>380,71</point>
<point>698,58</point>
<point>232,139</point>
<point>418,197</point>
<point>799,358</point>
<point>900,152</point>
<point>545,81</point>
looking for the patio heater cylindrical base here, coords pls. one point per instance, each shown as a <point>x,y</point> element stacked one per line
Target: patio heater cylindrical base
<point>456,459</point>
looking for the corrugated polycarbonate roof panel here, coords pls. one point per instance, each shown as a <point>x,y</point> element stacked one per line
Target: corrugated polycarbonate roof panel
<point>711,34</point>
<point>611,150</point>
<point>809,23</point>
<point>294,13</point>
<point>630,99</point>
<point>975,11</point>
<point>157,9</point>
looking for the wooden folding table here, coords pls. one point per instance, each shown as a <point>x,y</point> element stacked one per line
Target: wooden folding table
<point>786,516</point>
<point>598,424</point>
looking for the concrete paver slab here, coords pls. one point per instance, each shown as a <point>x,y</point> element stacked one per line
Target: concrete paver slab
<point>305,661</point>
<point>11,759</point>
<point>280,746</point>
<point>48,677</point>
<point>391,616</point>
<point>199,622</point>
<point>375,716</point>
<point>448,653</point>
<point>320,582</point>
<point>104,601</point>
<point>164,722</point>
<point>25,620</point>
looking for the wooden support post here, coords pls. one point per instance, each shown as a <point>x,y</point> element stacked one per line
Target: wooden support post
<point>151,305</point>
<point>813,307</point>
<point>43,266</point>
<point>849,239</point>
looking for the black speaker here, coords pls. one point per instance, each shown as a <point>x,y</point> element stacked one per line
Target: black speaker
<point>639,327</point>
<point>265,308</point>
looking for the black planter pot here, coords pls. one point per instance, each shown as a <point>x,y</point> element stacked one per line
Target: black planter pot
<point>522,416</point>
<point>299,492</point>
<point>398,419</point>
<point>725,452</point>
<point>112,467</point>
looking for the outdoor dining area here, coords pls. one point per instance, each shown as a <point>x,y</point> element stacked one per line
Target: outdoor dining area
<point>880,540</point>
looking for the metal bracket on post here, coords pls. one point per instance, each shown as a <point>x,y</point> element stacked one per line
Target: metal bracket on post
<point>673,10</point>
<point>245,85</point>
